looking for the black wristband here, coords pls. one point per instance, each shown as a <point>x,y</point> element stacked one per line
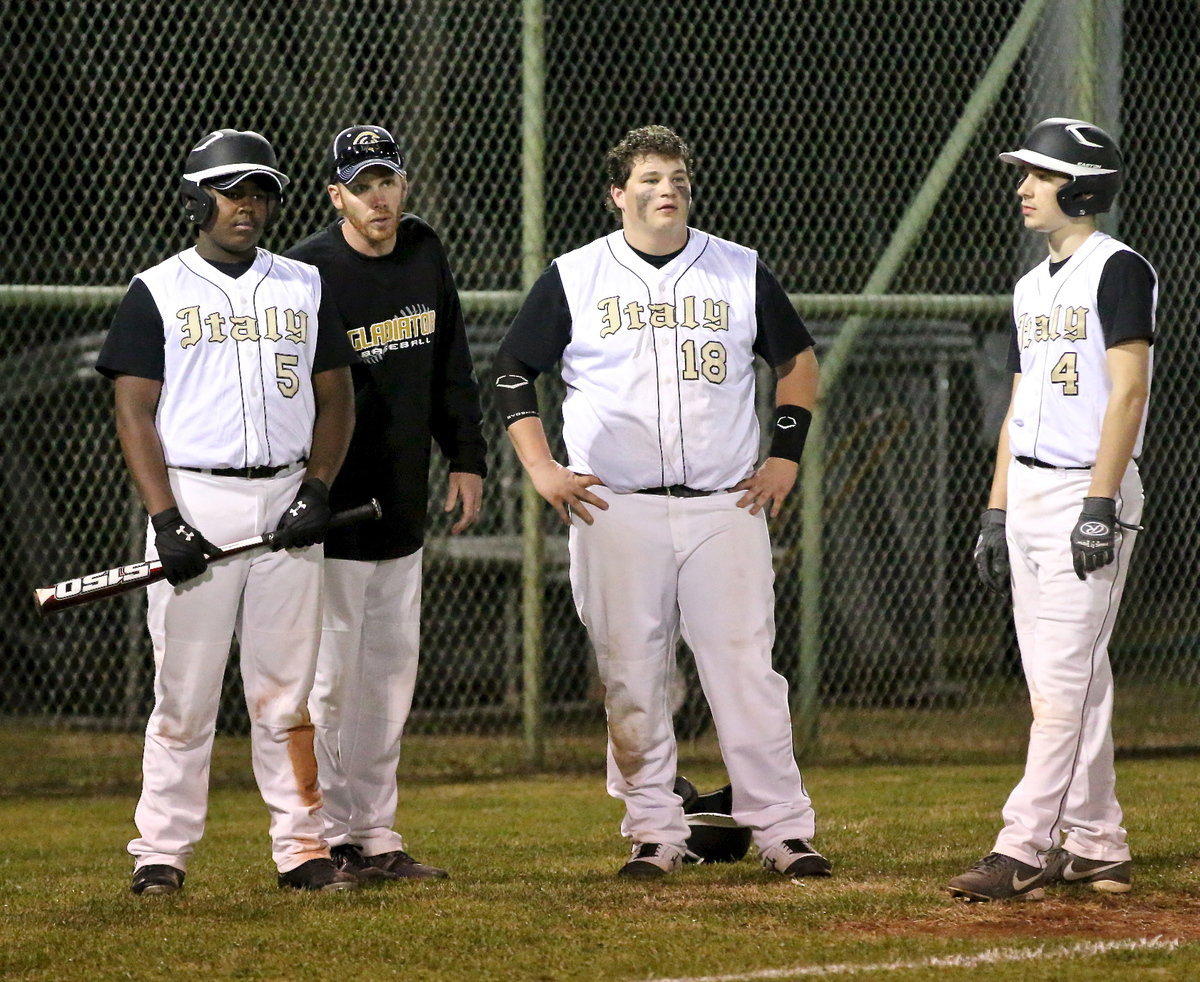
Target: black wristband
<point>789,430</point>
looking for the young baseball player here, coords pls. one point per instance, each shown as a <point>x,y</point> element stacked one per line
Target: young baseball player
<point>234,409</point>
<point>390,281</point>
<point>1063,511</point>
<point>656,326</point>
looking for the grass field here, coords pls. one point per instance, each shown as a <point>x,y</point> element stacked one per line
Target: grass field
<point>533,895</point>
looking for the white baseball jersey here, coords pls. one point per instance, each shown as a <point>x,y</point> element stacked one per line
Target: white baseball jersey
<point>1059,404</point>
<point>658,364</point>
<point>659,369</point>
<point>236,359</point>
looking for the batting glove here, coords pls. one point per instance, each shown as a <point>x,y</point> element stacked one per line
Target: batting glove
<point>991,551</point>
<point>182,550</point>
<point>306,519</point>
<point>1094,538</point>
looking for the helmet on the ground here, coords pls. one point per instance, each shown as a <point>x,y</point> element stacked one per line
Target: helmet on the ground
<point>713,836</point>
<point>219,161</point>
<point>1081,151</point>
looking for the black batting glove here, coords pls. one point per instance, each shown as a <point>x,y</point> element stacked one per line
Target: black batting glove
<point>182,550</point>
<point>1094,538</point>
<point>306,519</point>
<point>991,551</point>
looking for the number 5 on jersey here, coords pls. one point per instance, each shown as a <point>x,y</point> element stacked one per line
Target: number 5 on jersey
<point>286,376</point>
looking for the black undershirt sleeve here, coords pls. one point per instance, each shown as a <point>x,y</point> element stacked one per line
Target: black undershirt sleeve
<point>1014,353</point>
<point>1125,299</point>
<point>781,333</point>
<point>541,330</point>
<point>134,344</point>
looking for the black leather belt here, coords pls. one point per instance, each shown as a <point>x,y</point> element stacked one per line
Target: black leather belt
<point>1034,462</point>
<point>678,491</point>
<point>251,472</point>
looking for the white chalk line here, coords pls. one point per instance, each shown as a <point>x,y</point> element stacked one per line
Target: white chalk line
<point>992,956</point>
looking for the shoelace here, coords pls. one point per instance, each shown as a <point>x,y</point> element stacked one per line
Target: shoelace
<point>990,862</point>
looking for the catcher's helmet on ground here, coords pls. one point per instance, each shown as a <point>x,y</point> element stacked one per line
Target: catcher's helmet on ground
<point>713,837</point>
<point>219,161</point>
<point>1083,152</point>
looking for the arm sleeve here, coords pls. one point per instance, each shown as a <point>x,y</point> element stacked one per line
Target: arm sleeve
<point>1125,299</point>
<point>457,419</point>
<point>781,333</point>
<point>134,345</point>
<point>333,346</point>
<point>541,330</point>
<point>516,395</point>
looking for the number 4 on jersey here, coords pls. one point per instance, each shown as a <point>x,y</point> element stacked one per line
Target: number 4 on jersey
<point>1065,374</point>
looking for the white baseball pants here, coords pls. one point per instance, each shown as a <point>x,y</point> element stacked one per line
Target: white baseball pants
<point>649,569</point>
<point>272,601</point>
<point>366,673</point>
<point>1063,627</point>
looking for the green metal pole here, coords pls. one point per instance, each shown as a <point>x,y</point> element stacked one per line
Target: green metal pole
<point>1085,60</point>
<point>813,464</point>
<point>533,257</point>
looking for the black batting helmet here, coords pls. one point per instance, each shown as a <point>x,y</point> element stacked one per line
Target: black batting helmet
<point>713,836</point>
<point>1084,153</point>
<point>220,160</point>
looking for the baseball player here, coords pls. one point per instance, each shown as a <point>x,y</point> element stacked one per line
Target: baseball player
<point>657,325</point>
<point>234,409</point>
<point>390,281</point>
<point>1064,507</point>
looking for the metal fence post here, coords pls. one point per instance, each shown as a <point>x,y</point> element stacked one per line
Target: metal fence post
<point>533,248</point>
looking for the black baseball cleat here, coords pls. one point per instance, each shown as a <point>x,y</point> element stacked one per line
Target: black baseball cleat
<point>349,859</point>
<point>318,874</point>
<point>156,878</point>
<point>1103,876</point>
<point>399,865</point>
<point>1000,877</point>
<point>795,857</point>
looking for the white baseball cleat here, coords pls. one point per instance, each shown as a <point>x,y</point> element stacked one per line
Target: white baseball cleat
<point>651,861</point>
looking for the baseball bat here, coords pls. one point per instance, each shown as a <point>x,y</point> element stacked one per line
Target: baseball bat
<point>122,579</point>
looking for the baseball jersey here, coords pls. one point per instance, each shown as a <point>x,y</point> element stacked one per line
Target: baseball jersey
<point>658,362</point>
<point>235,346</point>
<point>414,381</point>
<point>1066,316</point>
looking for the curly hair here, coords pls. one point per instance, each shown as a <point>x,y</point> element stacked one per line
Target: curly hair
<point>642,142</point>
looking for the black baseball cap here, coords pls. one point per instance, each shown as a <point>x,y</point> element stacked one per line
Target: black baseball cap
<point>357,147</point>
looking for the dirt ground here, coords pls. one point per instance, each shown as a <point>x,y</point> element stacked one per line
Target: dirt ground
<point>1083,915</point>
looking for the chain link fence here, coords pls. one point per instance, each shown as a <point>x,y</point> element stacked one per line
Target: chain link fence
<point>852,143</point>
